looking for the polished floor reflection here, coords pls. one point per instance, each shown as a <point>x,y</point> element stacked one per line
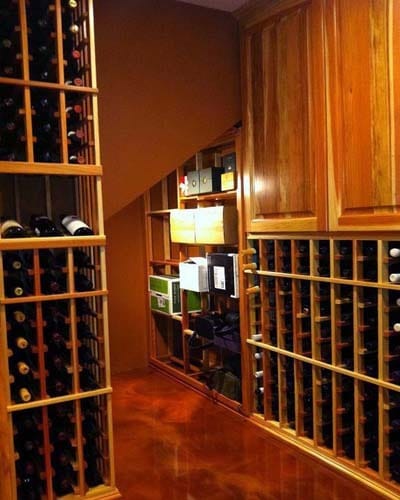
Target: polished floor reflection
<point>173,444</point>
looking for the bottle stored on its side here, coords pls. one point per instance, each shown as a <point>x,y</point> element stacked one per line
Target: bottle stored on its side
<point>43,226</point>
<point>83,283</point>
<point>17,284</point>
<point>10,228</point>
<point>76,226</point>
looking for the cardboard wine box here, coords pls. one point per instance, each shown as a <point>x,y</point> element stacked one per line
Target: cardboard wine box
<point>223,274</point>
<point>193,274</point>
<point>193,181</point>
<point>216,225</point>
<point>210,179</point>
<point>182,225</point>
<point>165,295</point>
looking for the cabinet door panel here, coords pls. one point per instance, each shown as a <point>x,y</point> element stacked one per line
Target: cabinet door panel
<point>284,159</point>
<point>364,92</point>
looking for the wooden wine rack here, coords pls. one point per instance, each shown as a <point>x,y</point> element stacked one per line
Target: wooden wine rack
<point>321,315</point>
<point>52,188</point>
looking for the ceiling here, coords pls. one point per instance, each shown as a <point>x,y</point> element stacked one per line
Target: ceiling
<point>228,5</point>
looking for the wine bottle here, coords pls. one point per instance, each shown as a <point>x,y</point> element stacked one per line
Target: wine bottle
<point>82,283</point>
<point>76,159</point>
<point>74,112</point>
<point>75,136</point>
<point>29,483</point>
<point>83,308</point>
<point>43,226</point>
<point>86,356</point>
<point>10,228</point>
<point>345,248</point>
<point>92,475</point>
<point>22,393</point>
<point>13,261</point>
<point>87,381</point>
<point>84,332</point>
<point>52,282</point>
<point>394,277</point>
<point>394,252</point>
<point>63,481</point>
<point>91,451</point>
<point>17,284</point>
<point>90,428</point>
<point>75,226</point>
<point>259,374</point>
<point>60,386</point>
<point>323,270</point>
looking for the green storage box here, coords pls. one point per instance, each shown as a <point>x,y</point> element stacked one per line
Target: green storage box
<point>165,295</point>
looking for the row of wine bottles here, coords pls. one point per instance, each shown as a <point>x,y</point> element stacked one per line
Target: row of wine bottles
<point>43,52</point>
<point>45,126</point>
<point>24,344</point>
<point>288,324</point>
<point>43,226</point>
<point>345,416</point>
<point>29,443</point>
<point>278,256</point>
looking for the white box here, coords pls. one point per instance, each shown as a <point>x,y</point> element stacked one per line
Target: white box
<point>193,274</point>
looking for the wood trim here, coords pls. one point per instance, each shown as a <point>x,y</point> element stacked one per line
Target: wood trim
<point>49,168</point>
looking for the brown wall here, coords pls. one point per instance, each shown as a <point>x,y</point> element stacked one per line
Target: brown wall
<point>126,264</point>
<point>168,75</point>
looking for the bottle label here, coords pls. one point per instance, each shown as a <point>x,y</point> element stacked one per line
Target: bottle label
<point>9,224</point>
<point>72,224</point>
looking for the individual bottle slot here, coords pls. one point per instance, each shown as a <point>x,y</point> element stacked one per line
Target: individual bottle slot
<point>29,479</point>
<point>86,356</point>
<point>323,249</point>
<point>18,284</point>
<point>46,126</point>
<point>88,381</point>
<point>41,42</point>
<point>24,389</point>
<point>345,270</point>
<point>84,332</point>
<point>83,283</point>
<point>83,308</point>
<point>10,45</point>
<point>53,282</point>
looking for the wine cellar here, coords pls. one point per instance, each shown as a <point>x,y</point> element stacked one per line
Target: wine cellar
<point>55,415</point>
<point>242,339</point>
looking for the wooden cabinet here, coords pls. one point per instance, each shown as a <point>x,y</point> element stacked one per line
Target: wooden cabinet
<point>321,115</point>
<point>284,119</point>
<point>56,435</point>
<point>364,97</point>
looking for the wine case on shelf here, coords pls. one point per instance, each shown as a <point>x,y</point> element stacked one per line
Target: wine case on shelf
<point>323,321</point>
<point>55,392</point>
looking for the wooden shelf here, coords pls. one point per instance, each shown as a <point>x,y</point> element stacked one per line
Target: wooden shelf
<point>47,85</point>
<point>20,168</point>
<point>220,196</point>
<point>7,244</point>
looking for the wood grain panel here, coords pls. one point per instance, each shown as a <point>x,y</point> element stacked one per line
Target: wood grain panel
<point>284,154</point>
<point>364,89</point>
